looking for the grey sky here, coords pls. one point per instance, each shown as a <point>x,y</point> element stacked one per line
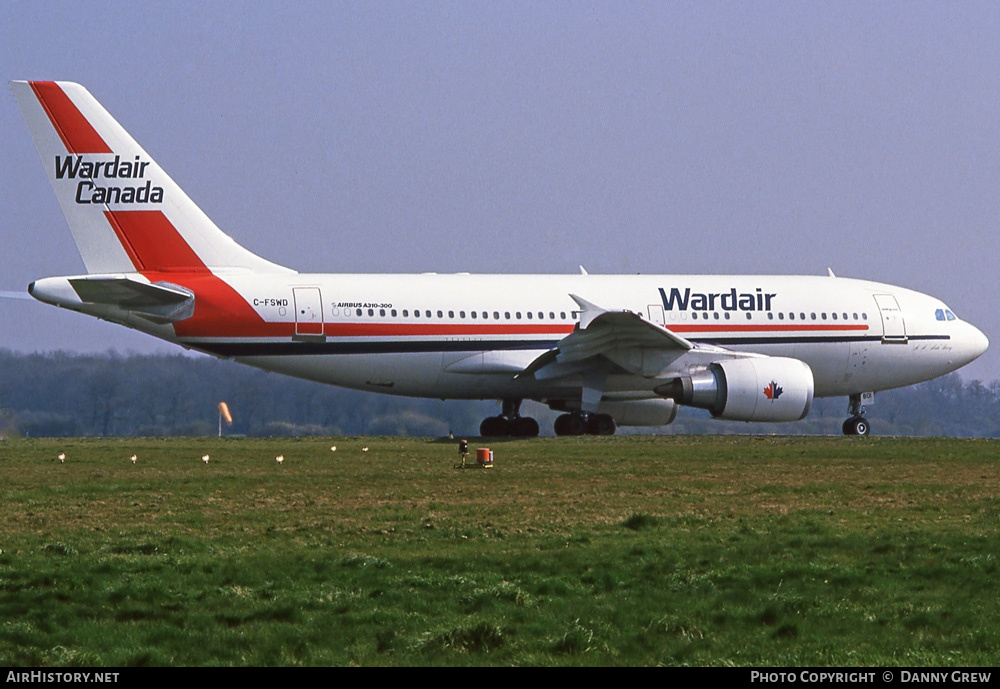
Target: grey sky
<point>533,137</point>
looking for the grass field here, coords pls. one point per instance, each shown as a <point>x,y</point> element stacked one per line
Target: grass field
<point>618,551</point>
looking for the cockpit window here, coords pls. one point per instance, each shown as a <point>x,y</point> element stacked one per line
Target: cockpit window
<point>939,314</point>
<point>949,315</point>
<point>944,315</point>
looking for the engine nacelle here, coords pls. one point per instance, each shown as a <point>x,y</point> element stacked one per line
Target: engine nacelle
<point>751,389</point>
<point>658,412</point>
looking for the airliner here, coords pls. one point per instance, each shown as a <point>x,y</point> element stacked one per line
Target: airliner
<point>604,350</point>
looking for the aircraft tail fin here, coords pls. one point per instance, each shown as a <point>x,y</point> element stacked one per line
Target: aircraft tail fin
<point>126,214</point>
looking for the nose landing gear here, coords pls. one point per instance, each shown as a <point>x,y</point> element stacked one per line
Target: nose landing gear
<point>857,424</point>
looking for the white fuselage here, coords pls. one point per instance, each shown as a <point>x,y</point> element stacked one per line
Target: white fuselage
<point>468,336</point>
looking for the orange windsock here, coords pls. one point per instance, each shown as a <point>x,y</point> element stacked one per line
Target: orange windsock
<point>224,411</point>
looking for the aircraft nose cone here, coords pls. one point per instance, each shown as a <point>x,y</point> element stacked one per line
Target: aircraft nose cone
<point>979,342</point>
<point>974,343</point>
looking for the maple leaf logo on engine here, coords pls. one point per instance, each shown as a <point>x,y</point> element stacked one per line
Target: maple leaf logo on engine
<point>772,391</point>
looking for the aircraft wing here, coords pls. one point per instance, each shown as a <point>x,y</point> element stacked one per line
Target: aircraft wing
<point>615,342</point>
<point>601,329</point>
<point>620,338</point>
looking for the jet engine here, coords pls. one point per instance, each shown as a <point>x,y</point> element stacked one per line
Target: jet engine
<point>750,389</point>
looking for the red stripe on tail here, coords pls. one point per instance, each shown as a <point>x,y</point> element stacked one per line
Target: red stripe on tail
<point>77,134</point>
<point>153,243</point>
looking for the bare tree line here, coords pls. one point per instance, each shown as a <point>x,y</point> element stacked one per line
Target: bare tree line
<point>63,394</point>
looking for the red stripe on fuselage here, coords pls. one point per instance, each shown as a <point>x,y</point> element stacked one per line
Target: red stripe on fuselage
<point>160,253</point>
<point>442,329</point>
<point>219,310</point>
<point>77,134</point>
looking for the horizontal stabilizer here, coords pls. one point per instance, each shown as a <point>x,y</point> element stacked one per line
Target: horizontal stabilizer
<point>128,293</point>
<point>159,302</point>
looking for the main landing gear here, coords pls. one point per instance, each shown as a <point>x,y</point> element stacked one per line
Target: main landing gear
<point>579,424</point>
<point>857,424</point>
<point>509,423</point>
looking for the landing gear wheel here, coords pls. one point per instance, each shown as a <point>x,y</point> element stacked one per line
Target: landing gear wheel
<point>494,427</point>
<point>524,427</point>
<point>601,424</point>
<point>570,424</point>
<point>856,425</point>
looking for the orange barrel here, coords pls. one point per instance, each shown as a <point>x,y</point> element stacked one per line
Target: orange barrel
<point>483,455</point>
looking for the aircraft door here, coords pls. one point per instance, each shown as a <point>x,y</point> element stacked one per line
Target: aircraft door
<point>656,314</point>
<point>308,311</point>
<point>893,326</point>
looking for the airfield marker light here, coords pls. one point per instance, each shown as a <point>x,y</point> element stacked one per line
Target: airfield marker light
<point>333,448</point>
<point>364,449</point>
<point>204,458</point>
<point>279,459</point>
<point>133,458</point>
<point>62,456</point>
